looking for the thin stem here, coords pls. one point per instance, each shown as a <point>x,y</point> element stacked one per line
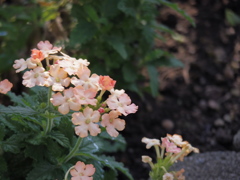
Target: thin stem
<point>49,119</point>
<point>157,151</point>
<point>66,175</point>
<point>162,152</point>
<point>73,151</point>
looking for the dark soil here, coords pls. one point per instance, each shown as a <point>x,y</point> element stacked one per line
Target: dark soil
<point>201,101</point>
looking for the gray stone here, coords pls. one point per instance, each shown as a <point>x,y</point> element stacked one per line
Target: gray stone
<point>219,165</point>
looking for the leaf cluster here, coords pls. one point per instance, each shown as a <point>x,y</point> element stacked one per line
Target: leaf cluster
<point>119,36</point>
<point>28,152</point>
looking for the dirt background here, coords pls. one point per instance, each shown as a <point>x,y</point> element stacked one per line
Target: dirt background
<point>200,101</point>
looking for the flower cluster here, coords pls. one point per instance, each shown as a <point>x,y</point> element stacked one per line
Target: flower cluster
<point>75,88</point>
<point>171,149</point>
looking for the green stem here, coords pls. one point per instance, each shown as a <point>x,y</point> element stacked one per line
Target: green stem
<point>66,175</point>
<point>73,151</point>
<point>157,151</point>
<point>49,119</point>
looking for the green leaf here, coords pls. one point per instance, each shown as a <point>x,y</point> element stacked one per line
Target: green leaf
<point>2,131</point>
<point>175,7</point>
<point>60,138</point>
<point>129,73</point>
<point>153,75</point>
<point>42,171</point>
<point>111,144</point>
<point>35,152</point>
<point>170,62</point>
<point>110,174</point>
<point>3,165</point>
<point>118,45</point>
<point>232,18</point>
<point>88,145</point>
<point>17,110</point>
<point>91,12</point>
<point>125,7</point>
<point>83,32</point>
<point>109,8</point>
<point>12,144</point>
<point>109,162</point>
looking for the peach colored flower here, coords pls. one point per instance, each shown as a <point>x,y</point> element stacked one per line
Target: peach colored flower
<point>37,76</point>
<point>46,45</point>
<point>85,80</point>
<point>72,65</point>
<point>86,121</point>
<point>150,142</point>
<point>106,83</point>
<point>116,92</point>
<point>37,56</point>
<point>5,86</point>
<point>112,122</point>
<point>47,48</point>
<point>170,147</point>
<point>82,171</point>
<point>59,78</point>
<point>177,139</point>
<point>121,103</point>
<point>85,96</point>
<point>66,102</point>
<point>21,64</point>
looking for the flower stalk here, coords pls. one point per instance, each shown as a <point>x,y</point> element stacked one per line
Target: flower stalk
<point>73,151</point>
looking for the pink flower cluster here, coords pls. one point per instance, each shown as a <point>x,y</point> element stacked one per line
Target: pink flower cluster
<point>75,88</point>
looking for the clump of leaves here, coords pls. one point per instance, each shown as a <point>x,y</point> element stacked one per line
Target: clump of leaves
<point>28,151</point>
<point>116,35</point>
<point>119,36</point>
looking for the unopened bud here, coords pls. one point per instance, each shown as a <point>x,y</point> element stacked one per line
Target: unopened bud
<point>101,110</point>
<point>146,159</point>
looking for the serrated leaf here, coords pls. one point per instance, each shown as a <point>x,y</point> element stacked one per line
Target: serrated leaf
<point>12,144</point>
<point>17,110</point>
<point>83,32</point>
<point>118,45</point>
<point>66,127</point>
<point>42,171</point>
<point>60,138</point>
<point>153,75</point>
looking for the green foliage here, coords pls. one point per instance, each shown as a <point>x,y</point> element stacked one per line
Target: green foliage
<point>119,36</point>
<point>31,152</point>
<point>232,18</point>
<point>115,35</point>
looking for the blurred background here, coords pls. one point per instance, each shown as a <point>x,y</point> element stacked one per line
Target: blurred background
<point>178,61</point>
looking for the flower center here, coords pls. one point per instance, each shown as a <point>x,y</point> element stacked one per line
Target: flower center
<point>87,121</point>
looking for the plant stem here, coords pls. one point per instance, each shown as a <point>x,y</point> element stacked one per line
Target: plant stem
<point>66,175</point>
<point>73,151</point>
<point>49,119</point>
